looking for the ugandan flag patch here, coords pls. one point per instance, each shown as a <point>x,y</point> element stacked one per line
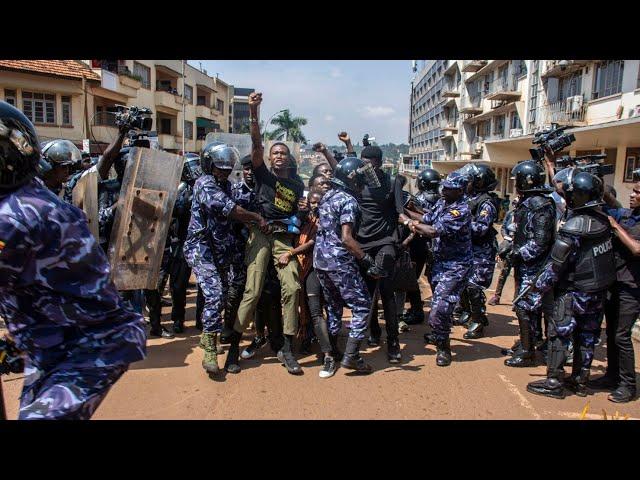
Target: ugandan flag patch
<point>455,213</point>
<point>2,244</point>
<point>484,213</point>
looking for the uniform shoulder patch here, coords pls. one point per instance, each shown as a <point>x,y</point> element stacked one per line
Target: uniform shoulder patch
<point>2,244</point>
<point>484,213</point>
<point>455,213</point>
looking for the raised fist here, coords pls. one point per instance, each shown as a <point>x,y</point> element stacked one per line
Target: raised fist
<point>319,147</point>
<point>255,99</point>
<point>344,137</point>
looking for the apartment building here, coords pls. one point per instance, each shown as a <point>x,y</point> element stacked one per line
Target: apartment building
<point>489,110</point>
<point>51,93</point>
<point>241,109</point>
<point>77,100</point>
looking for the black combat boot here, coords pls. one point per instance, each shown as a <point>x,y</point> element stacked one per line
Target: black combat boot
<point>285,355</point>
<point>443,353</point>
<point>577,382</point>
<point>415,316</point>
<point>524,357</point>
<point>352,359</point>
<point>553,385</point>
<point>232,364</point>
<point>479,319</point>
<point>517,346</point>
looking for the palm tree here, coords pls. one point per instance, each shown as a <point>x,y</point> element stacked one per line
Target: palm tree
<point>289,127</point>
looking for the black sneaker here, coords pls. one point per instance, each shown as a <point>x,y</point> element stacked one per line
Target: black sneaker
<point>289,361</point>
<point>254,346</point>
<point>163,332</point>
<point>393,351</point>
<point>329,367</point>
<point>373,341</point>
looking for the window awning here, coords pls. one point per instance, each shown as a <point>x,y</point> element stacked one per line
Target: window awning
<point>205,122</point>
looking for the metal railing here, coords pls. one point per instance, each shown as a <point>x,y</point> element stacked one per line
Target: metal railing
<point>564,111</point>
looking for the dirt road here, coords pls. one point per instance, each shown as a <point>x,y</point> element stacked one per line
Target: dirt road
<point>170,383</point>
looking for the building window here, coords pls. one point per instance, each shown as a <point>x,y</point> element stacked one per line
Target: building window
<point>608,78</point>
<point>498,126</point>
<point>220,106</point>
<point>144,73</point>
<point>165,126</point>
<point>520,68</point>
<point>533,95</point>
<point>633,162</point>
<point>10,96</point>
<point>201,100</point>
<point>39,107</point>
<point>66,110</point>
<point>188,93</point>
<point>570,86</point>
<point>188,130</point>
<point>514,121</point>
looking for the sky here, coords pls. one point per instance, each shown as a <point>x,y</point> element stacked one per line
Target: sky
<point>359,96</point>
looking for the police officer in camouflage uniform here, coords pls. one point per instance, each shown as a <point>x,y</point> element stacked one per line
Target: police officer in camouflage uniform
<point>420,248</point>
<point>208,242</point>
<point>535,220</point>
<point>337,259</point>
<point>449,224</point>
<point>581,268</point>
<point>483,205</point>
<point>54,166</point>
<point>55,294</point>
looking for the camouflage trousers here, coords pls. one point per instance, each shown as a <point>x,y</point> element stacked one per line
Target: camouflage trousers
<point>214,284</point>
<point>68,392</point>
<point>448,284</point>
<point>346,288</point>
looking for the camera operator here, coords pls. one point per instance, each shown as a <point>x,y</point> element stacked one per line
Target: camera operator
<point>381,204</point>
<point>623,305</point>
<point>581,268</point>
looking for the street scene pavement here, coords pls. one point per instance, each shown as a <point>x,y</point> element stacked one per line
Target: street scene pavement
<point>170,382</point>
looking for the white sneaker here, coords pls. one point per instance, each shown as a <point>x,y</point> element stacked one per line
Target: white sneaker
<point>328,368</point>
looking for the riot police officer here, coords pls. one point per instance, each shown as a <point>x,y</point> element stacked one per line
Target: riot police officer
<point>483,205</point>
<point>337,259</point>
<point>208,239</point>
<point>449,224</point>
<point>56,298</point>
<point>420,248</point>
<point>581,268</point>
<point>54,167</point>
<point>535,219</point>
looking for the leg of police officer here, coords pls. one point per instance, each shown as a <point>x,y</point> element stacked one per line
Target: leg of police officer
<point>502,279</point>
<point>153,299</point>
<point>213,281</point>
<point>419,256</point>
<point>236,291</point>
<point>348,288</point>
<point>199,307</point>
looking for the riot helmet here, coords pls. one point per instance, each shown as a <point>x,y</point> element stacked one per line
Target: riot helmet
<point>191,170</point>
<point>428,180</point>
<point>19,148</point>
<point>58,153</point>
<point>584,190</point>
<point>482,178</point>
<point>219,155</point>
<point>349,174</point>
<point>529,176</point>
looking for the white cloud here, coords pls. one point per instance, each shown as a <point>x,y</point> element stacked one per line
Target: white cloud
<point>377,111</point>
<point>335,73</point>
<point>329,118</point>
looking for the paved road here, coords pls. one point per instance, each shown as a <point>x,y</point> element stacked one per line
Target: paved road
<point>170,383</point>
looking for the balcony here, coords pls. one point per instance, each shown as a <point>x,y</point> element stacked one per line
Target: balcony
<point>571,111</point>
<point>168,142</point>
<point>504,89</point>
<point>471,105</point>
<point>472,148</point>
<point>473,65</point>
<point>168,101</point>
<point>554,69</point>
<point>451,68</point>
<point>204,111</point>
<point>449,90</point>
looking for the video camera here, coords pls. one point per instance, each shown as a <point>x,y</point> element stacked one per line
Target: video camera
<point>366,141</point>
<point>592,164</point>
<point>553,138</point>
<point>135,118</point>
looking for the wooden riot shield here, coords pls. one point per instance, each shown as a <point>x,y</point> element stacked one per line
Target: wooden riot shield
<point>85,197</point>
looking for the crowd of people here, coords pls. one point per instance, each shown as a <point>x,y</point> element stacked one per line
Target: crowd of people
<point>288,258</point>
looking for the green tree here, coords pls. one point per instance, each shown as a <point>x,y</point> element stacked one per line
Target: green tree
<point>289,127</point>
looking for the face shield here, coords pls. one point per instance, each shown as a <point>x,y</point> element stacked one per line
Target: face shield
<point>369,174</point>
<point>61,152</point>
<point>224,157</point>
<point>565,176</point>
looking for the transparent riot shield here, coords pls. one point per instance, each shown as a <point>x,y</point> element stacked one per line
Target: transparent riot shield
<point>241,141</point>
<point>85,196</point>
<point>143,214</point>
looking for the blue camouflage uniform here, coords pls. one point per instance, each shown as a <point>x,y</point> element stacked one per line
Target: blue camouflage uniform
<point>209,240</point>
<point>61,307</point>
<point>243,196</point>
<point>337,269</point>
<point>484,244</point>
<point>452,257</point>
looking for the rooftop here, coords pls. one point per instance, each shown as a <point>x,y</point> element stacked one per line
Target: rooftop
<point>72,69</point>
